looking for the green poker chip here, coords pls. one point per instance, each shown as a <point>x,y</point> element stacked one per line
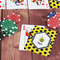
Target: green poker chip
<point>9,27</point>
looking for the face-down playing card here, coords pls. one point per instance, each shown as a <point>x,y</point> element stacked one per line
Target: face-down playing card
<point>38,4</point>
<point>54,3</point>
<point>2,4</point>
<point>16,4</point>
<point>41,41</point>
<point>25,33</point>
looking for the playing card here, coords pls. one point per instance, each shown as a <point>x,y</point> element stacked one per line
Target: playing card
<point>54,3</point>
<point>41,41</point>
<point>38,4</point>
<point>16,4</point>
<point>25,33</point>
<point>2,4</point>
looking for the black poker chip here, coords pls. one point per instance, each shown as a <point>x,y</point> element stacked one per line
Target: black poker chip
<point>2,34</point>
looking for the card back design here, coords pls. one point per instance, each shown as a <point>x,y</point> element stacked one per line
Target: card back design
<point>54,3</point>
<point>41,41</point>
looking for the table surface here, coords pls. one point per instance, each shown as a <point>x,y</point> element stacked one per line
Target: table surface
<point>10,45</point>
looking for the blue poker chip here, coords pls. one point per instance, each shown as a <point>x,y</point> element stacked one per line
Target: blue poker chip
<point>51,14</point>
<point>0,22</point>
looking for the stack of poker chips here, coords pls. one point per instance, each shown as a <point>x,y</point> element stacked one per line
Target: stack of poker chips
<point>17,2</point>
<point>2,33</point>
<point>8,26</point>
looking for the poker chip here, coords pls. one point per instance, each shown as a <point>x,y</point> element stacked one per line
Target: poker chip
<point>9,27</point>
<point>13,16</point>
<point>54,22</point>
<point>2,34</point>
<point>0,22</point>
<point>51,14</point>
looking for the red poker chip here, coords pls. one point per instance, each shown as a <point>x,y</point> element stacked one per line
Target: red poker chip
<point>54,22</point>
<point>15,17</point>
<point>4,18</point>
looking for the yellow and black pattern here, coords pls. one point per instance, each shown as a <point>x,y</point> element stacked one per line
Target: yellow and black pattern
<point>42,51</point>
<point>54,3</point>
